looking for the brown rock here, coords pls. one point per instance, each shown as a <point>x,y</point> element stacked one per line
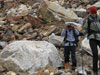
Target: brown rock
<point>23,27</point>
<point>49,31</point>
<point>34,21</point>
<point>2,69</point>
<point>11,73</point>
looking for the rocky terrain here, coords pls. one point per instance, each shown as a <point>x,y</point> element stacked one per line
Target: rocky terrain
<point>30,40</point>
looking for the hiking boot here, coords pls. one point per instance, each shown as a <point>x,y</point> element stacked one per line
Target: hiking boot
<point>94,73</point>
<point>73,68</point>
<point>67,66</point>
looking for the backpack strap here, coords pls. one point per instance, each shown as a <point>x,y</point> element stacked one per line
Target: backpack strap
<point>65,36</point>
<point>89,30</point>
<point>89,23</point>
<point>75,36</point>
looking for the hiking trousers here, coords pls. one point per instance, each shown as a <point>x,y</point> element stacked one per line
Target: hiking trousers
<point>2,4</point>
<point>93,44</point>
<point>67,51</point>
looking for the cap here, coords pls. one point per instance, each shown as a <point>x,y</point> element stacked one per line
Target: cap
<point>93,10</point>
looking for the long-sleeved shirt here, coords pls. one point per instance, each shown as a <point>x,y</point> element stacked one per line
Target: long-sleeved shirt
<point>70,36</point>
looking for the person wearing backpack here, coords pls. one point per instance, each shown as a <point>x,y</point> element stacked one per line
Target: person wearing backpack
<point>92,28</point>
<point>70,38</point>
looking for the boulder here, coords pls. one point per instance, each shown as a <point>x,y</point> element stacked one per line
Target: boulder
<point>98,12</point>
<point>23,10</point>
<point>80,12</point>
<point>85,1</point>
<point>11,12</point>
<point>11,73</point>
<point>30,56</point>
<point>56,40</point>
<point>51,11</point>
<point>97,4</point>
<point>2,22</point>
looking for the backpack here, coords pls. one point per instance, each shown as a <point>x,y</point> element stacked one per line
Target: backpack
<point>75,36</point>
<point>89,30</point>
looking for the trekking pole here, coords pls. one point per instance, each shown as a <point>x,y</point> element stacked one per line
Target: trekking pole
<point>82,60</point>
<point>82,63</point>
<point>82,53</point>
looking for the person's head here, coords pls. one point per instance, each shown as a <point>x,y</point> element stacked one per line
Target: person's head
<point>70,26</point>
<point>93,11</point>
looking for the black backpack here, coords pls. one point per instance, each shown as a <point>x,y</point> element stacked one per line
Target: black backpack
<point>76,36</point>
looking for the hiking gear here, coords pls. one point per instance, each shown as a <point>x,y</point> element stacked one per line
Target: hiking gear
<point>76,37</point>
<point>94,73</point>
<point>93,44</point>
<point>67,66</point>
<point>81,34</point>
<point>92,28</point>
<point>70,50</point>
<point>93,10</point>
<point>73,67</point>
<point>89,30</point>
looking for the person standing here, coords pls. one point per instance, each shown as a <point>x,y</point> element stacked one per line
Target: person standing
<point>92,28</point>
<point>70,38</point>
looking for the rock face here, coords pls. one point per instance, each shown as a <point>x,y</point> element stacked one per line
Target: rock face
<point>31,55</point>
<point>53,11</point>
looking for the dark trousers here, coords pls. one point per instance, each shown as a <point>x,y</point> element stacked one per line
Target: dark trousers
<point>93,44</point>
<point>67,51</point>
<point>2,4</point>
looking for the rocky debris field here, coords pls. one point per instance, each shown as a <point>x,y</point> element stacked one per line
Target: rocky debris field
<point>30,40</point>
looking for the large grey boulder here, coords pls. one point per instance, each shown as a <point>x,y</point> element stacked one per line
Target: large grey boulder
<point>56,40</point>
<point>31,56</point>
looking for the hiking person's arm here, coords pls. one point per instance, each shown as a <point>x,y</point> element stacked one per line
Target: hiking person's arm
<point>77,32</point>
<point>84,28</point>
<point>63,32</point>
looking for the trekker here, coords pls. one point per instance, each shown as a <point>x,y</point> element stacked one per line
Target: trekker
<point>70,38</point>
<point>92,28</point>
<point>2,3</point>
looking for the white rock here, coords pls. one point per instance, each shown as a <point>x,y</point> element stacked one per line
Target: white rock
<point>2,22</point>
<point>11,12</point>
<point>51,73</point>
<point>56,40</point>
<point>32,55</point>
<point>9,0</point>
<point>23,10</point>
<point>97,4</point>
<point>81,71</point>
<point>11,73</point>
<point>86,1</point>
